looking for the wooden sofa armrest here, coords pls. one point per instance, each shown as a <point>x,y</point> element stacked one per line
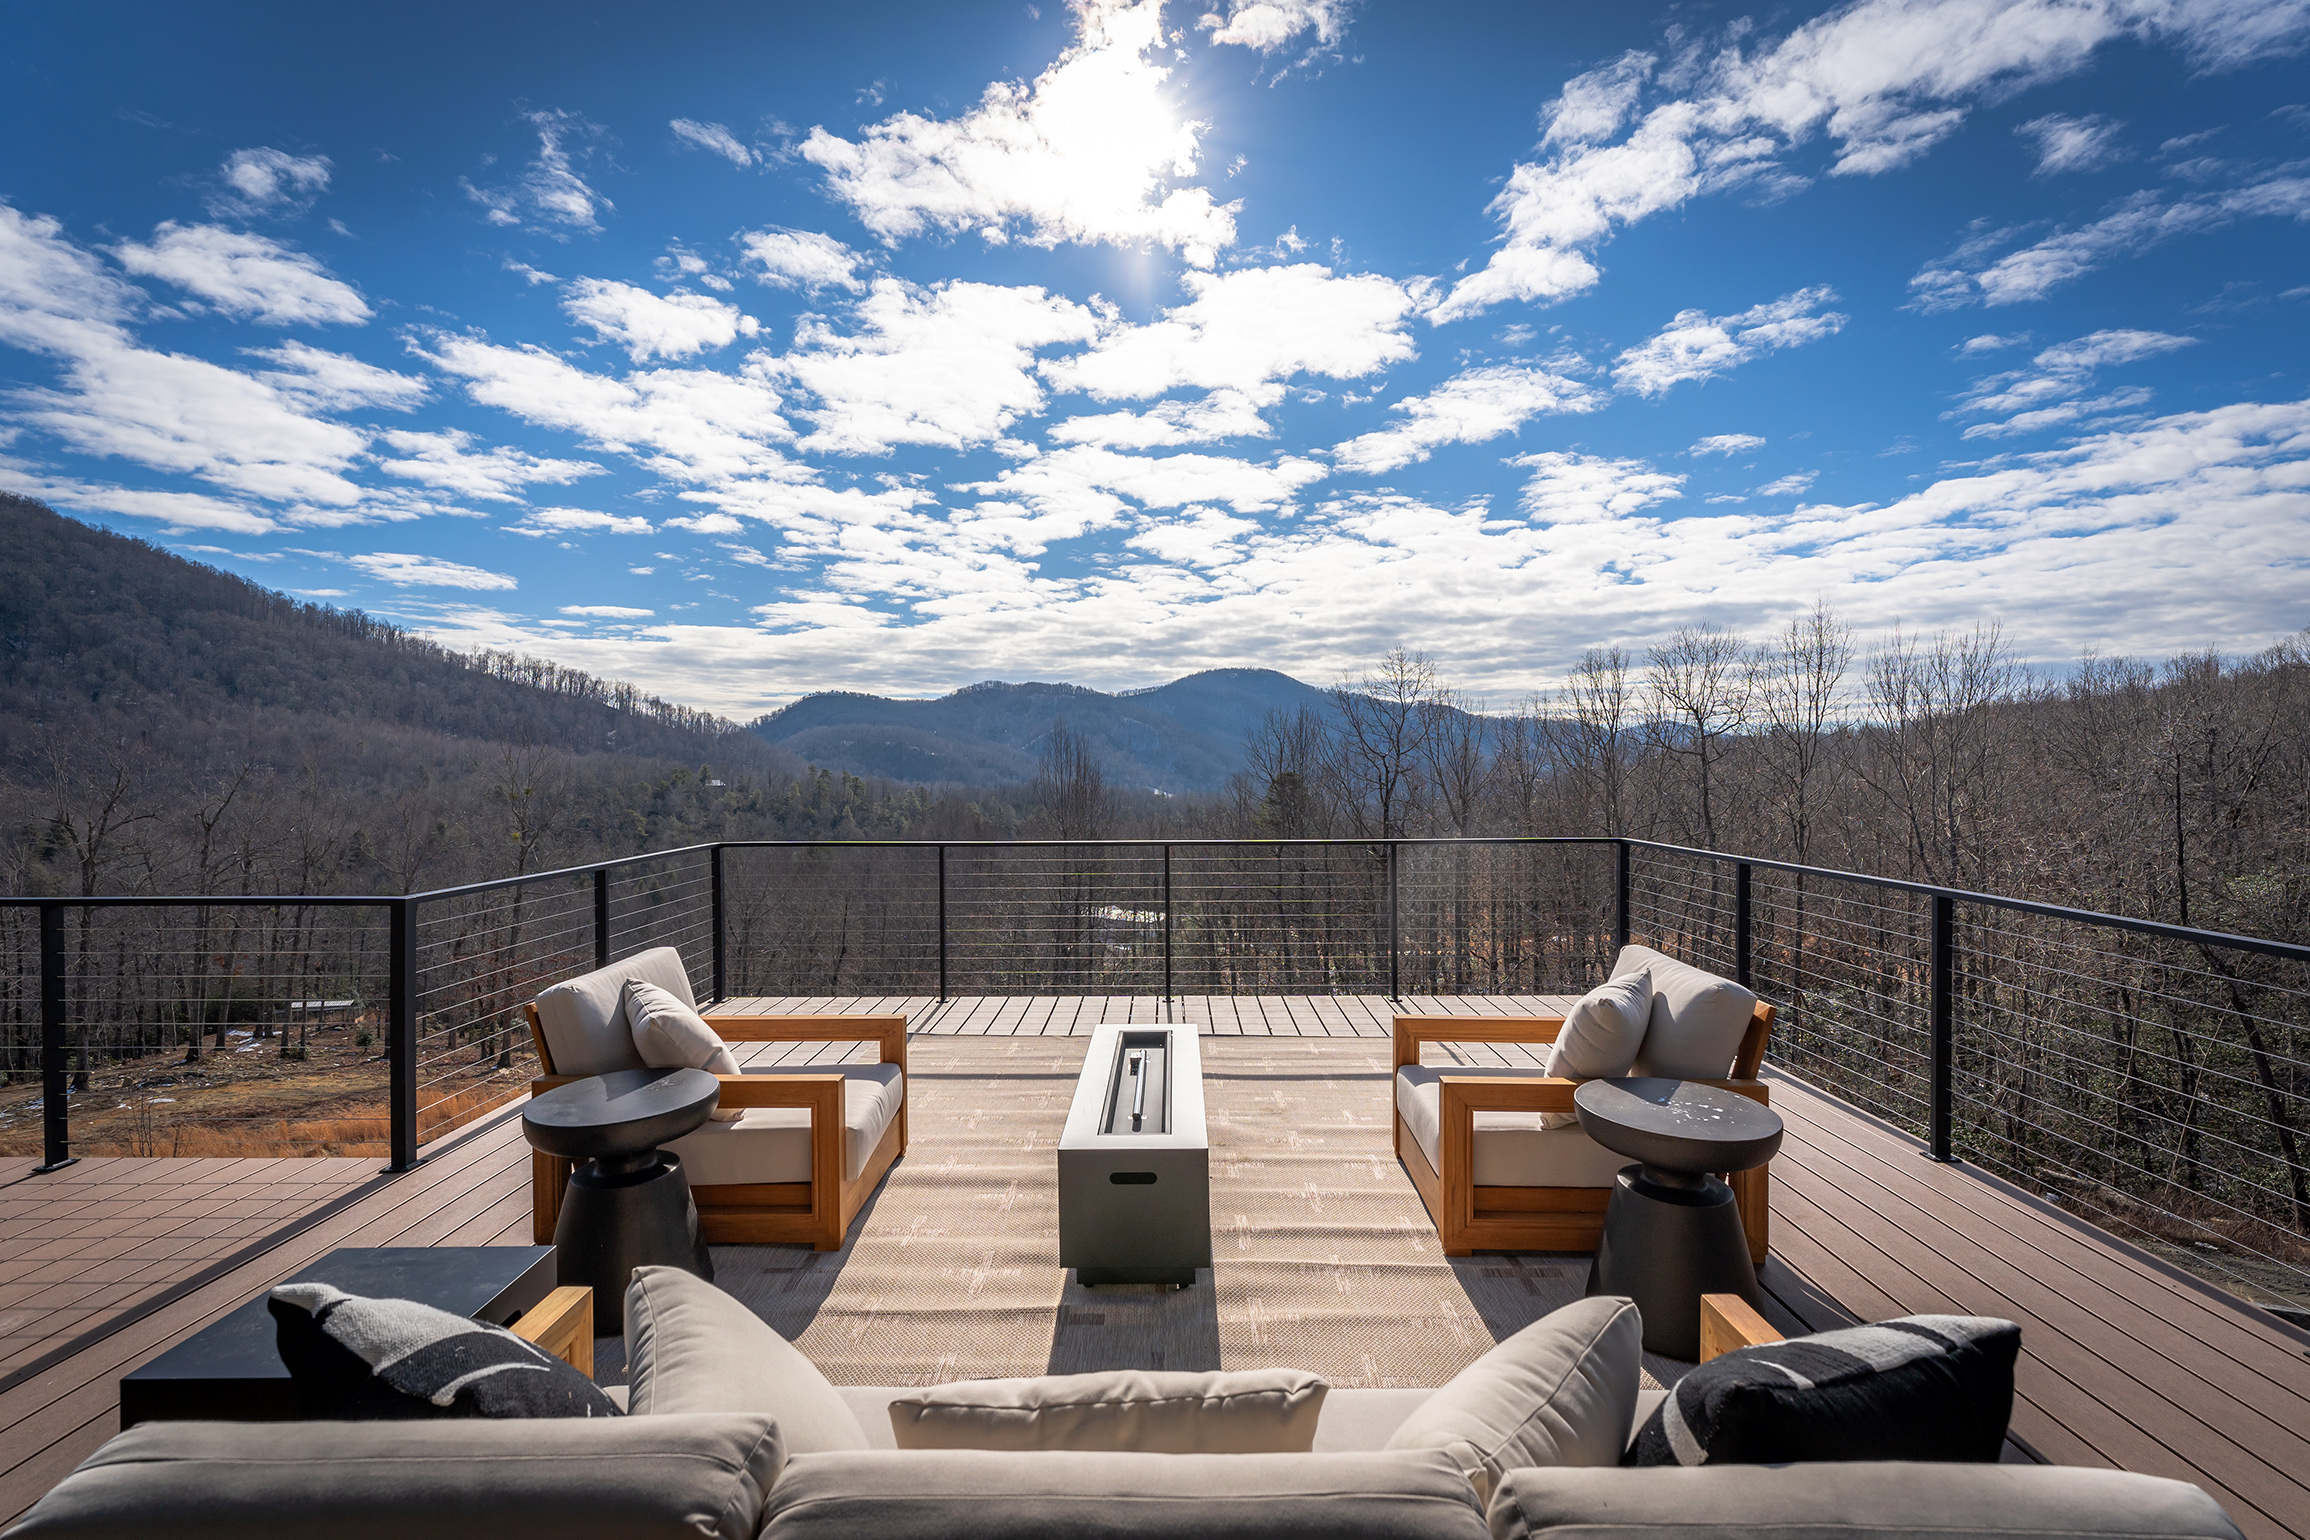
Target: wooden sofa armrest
<point>1414,1031</point>
<point>563,1324</point>
<point>888,1031</point>
<point>1728,1321</point>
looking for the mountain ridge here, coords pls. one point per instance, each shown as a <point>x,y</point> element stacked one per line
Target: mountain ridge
<point>1181,737</point>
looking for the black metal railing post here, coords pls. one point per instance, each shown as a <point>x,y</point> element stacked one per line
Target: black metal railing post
<point>55,1115</point>
<point>1620,898</point>
<point>1743,937</point>
<point>401,1033</point>
<point>1944,1025</point>
<point>1395,929</point>
<point>1167,932</point>
<point>721,931</point>
<point>942,995</point>
<point>601,917</point>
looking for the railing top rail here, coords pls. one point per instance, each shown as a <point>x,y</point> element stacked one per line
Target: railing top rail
<point>2259,945</point>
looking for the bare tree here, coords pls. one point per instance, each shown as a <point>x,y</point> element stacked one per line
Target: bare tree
<point>1698,693</point>
<point>1592,734</point>
<point>1453,758</point>
<point>1797,684</point>
<point>1286,763</point>
<point>1935,765</point>
<point>1385,719</point>
<point>1072,787</point>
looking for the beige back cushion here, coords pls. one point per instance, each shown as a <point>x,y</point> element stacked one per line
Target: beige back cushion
<point>584,1019</point>
<point>1602,1035</point>
<point>1251,1411</point>
<point>1560,1392</point>
<point>692,1348</point>
<point>1698,1018</point>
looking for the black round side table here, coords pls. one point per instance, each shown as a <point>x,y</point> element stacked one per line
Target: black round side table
<point>628,1203</point>
<point>1672,1231</point>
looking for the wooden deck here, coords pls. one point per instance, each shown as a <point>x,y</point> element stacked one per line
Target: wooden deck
<point>2126,1362</point>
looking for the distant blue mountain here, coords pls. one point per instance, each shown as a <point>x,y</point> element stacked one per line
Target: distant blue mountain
<point>1185,736</point>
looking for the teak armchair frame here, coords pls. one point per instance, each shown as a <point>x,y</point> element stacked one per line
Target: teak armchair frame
<point>1471,1218</point>
<point>815,1213</point>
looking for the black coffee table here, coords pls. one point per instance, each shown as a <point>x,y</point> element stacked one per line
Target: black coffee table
<point>1672,1231</point>
<point>628,1203</point>
<point>231,1370</point>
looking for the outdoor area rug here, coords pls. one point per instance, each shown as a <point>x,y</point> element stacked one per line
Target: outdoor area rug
<point>1324,1256</point>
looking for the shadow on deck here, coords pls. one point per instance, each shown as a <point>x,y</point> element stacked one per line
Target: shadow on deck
<point>2126,1362</point>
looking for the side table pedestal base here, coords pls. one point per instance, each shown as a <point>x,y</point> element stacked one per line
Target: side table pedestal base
<point>1669,1238</point>
<point>617,1219</point>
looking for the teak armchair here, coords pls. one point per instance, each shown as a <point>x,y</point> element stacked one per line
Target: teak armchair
<point>815,1213</point>
<point>1470,1218</point>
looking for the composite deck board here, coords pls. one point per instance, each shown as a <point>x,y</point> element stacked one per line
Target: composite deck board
<point>2125,1363</point>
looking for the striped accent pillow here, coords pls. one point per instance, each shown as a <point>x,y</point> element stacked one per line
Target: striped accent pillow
<point>1924,1387</point>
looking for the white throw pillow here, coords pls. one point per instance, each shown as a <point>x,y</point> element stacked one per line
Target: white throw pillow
<point>669,1035</point>
<point>1560,1392</point>
<point>1601,1037</point>
<point>1251,1411</point>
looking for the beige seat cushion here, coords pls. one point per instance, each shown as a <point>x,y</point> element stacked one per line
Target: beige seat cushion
<point>1247,1411</point>
<point>463,1478</point>
<point>1560,1392</point>
<point>1513,1149</point>
<point>772,1144</point>
<point>1062,1494</point>
<point>1698,1018</point>
<point>1855,1500</point>
<point>584,1019</point>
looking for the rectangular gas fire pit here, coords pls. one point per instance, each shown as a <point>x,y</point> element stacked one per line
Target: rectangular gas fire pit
<point>1134,1161</point>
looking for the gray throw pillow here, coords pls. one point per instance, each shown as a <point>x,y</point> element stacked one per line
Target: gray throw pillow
<point>1251,1411</point>
<point>1560,1392</point>
<point>692,1348</point>
<point>1601,1037</point>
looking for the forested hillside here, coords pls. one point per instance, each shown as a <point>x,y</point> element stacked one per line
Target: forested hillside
<point>166,727</point>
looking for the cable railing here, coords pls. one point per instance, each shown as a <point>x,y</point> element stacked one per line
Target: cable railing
<point>2152,1079</point>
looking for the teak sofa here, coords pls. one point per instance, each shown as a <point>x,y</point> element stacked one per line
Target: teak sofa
<point>1566,1213</point>
<point>770,1176</point>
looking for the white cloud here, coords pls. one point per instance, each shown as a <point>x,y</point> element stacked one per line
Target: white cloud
<point>2137,223</point>
<point>1469,408</point>
<point>1591,489</point>
<point>447,460</point>
<point>1247,328</point>
<point>1068,492</point>
<point>531,275</point>
<point>800,259</point>
<point>1084,154</point>
<point>411,570</point>
<point>607,611</point>
<point>2065,143</point>
<point>267,181</point>
<point>1992,342</point>
<point>177,511</point>
<point>551,192</point>
<point>539,521</point>
<point>688,425</point>
<point>1222,414</point>
<point>1790,485</point>
<point>651,326</point>
<point>332,382</point>
<point>714,137</point>
<point>1699,346</point>
<point>2181,533</point>
<point>1271,24</point>
<point>247,276</point>
<point>950,365</point>
<point>2051,392</point>
<point>1725,444</point>
<point>1885,79</point>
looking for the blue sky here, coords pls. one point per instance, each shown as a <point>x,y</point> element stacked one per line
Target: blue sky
<point>745,351</point>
